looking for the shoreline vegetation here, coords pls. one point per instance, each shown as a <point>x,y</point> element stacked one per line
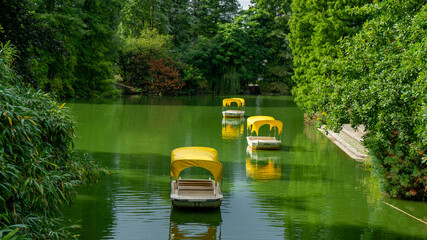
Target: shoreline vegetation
<point>365,64</point>
<point>39,170</point>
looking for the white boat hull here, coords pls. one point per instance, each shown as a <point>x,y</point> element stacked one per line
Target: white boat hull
<point>233,114</point>
<point>270,143</point>
<point>196,194</point>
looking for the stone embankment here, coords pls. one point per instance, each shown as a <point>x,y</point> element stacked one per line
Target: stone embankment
<point>350,141</point>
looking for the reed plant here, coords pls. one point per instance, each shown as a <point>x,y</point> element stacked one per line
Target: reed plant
<point>39,170</point>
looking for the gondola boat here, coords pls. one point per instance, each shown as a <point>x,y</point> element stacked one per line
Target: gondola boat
<point>231,110</point>
<point>264,142</point>
<point>195,193</point>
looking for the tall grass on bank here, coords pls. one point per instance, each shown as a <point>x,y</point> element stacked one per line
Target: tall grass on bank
<point>39,170</point>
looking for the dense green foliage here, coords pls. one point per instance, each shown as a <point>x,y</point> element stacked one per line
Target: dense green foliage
<point>172,35</point>
<point>81,48</point>
<point>136,54</point>
<point>223,49</point>
<point>39,171</point>
<point>241,52</point>
<point>274,15</point>
<point>316,27</point>
<point>64,47</point>
<point>375,76</point>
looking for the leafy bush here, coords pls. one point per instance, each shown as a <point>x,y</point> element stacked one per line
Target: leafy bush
<point>165,77</point>
<point>148,64</point>
<point>149,43</point>
<point>68,49</point>
<point>137,70</point>
<point>39,171</point>
<point>275,87</point>
<point>192,77</point>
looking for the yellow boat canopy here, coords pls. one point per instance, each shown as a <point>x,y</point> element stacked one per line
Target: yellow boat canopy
<point>273,123</point>
<point>253,119</point>
<point>228,101</point>
<point>204,157</point>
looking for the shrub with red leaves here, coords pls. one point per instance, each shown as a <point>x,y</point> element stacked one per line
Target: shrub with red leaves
<point>165,77</point>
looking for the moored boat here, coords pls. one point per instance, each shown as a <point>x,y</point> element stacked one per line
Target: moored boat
<point>264,142</point>
<point>231,110</point>
<point>196,193</point>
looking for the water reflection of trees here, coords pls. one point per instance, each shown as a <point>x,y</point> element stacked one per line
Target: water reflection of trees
<point>324,194</point>
<point>137,186</point>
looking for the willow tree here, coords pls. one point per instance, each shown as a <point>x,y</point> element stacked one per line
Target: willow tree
<point>240,53</point>
<point>66,48</point>
<point>137,15</point>
<point>207,14</point>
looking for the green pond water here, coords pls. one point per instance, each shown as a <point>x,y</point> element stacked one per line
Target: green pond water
<point>309,189</point>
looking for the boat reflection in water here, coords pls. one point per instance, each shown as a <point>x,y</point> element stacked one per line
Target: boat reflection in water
<point>199,224</point>
<point>263,165</point>
<point>233,107</point>
<point>232,128</point>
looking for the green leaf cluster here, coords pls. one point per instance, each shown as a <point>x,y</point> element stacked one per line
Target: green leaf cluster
<point>382,72</point>
<point>39,171</point>
<point>65,47</point>
<point>274,15</point>
<point>316,28</point>
<point>235,56</point>
<point>375,77</point>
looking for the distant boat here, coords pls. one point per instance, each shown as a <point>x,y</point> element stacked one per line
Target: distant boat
<point>230,110</point>
<point>196,193</point>
<point>264,142</point>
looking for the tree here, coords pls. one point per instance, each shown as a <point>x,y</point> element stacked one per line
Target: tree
<point>97,47</point>
<point>235,56</point>
<point>316,27</point>
<point>275,16</point>
<point>380,81</point>
<point>165,77</point>
<point>207,14</point>
<point>65,47</point>
<point>136,53</point>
